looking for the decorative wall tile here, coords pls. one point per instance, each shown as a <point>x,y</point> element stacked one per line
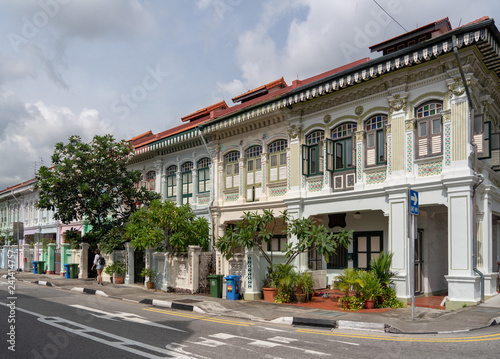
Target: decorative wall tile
<point>231,197</point>
<point>315,185</point>
<point>203,200</point>
<point>375,177</point>
<point>430,168</point>
<point>389,155</point>
<point>447,145</point>
<point>249,272</point>
<point>359,161</point>
<point>277,191</point>
<point>409,152</point>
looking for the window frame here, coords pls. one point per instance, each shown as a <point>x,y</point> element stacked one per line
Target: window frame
<point>278,148</point>
<point>313,149</point>
<point>186,182</point>
<point>347,137</point>
<point>150,179</point>
<point>429,139</point>
<point>171,181</point>
<point>253,158</point>
<point>378,131</point>
<point>231,161</point>
<point>203,169</point>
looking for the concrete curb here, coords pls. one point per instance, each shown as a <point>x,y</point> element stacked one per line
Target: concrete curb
<point>43,282</point>
<point>89,291</point>
<point>172,305</point>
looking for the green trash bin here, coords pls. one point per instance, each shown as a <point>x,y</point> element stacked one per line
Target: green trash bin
<point>40,267</point>
<point>215,285</point>
<point>73,270</point>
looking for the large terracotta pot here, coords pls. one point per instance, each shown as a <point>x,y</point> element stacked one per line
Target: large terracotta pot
<point>118,280</point>
<point>270,294</point>
<point>150,285</point>
<point>301,297</point>
<point>369,304</point>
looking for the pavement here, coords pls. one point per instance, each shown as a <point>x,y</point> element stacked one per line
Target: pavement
<point>426,320</point>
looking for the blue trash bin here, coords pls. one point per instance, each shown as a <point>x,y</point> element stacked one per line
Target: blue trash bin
<point>34,267</point>
<point>66,275</point>
<point>232,287</point>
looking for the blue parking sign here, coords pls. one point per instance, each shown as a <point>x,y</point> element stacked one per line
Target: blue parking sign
<point>413,202</point>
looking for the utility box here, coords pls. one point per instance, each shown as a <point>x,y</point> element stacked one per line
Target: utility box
<point>215,285</point>
<point>232,287</point>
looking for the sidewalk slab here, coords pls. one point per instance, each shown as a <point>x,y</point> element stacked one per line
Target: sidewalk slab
<point>427,321</point>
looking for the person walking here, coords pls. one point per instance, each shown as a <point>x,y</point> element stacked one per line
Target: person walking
<point>99,265</point>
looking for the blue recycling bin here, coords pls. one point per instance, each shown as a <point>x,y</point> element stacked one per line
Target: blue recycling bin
<point>66,275</point>
<point>232,287</point>
<point>34,267</point>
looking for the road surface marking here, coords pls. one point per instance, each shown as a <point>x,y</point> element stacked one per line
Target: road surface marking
<point>106,338</point>
<point>125,316</point>
<point>480,338</point>
<point>199,317</point>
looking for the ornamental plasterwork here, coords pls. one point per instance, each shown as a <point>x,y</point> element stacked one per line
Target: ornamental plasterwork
<point>359,110</point>
<point>327,119</point>
<point>494,181</point>
<point>294,131</point>
<point>410,125</point>
<point>388,129</point>
<point>446,116</point>
<point>360,136</point>
<point>397,102</point>
<point>456,87</point>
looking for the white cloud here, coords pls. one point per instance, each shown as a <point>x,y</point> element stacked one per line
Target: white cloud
<point>33,134</point>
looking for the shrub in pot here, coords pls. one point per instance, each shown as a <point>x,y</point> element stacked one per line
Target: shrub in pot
<point>118,269</point>
<point>147,272</point>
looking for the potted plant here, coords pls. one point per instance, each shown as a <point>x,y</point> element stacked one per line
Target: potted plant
<point>304,286</point>
<point>151,274</point>
<point>285,279</point>
<point>381,266</point>
<point>118,269</point>
<point>269,290</point>
<point>348,282</point>
<point>370,287</point>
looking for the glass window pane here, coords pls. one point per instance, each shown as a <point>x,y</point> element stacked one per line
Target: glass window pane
<point>236,168</point>
<point>436,126</point>
<point>375,244</point>
<point>229,170</point>
<point>339,163</point>
<point>282,159</point>
<point>349,153</point>
<point>312,159</point>
<point>274,160</point>
<point>370,140</point>
<point>250,166</point>
<point>362,247</point>
<point>257,164</point>
<point>422,129</point>
<point>362,262</point>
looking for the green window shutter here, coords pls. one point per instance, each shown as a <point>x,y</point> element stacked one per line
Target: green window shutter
<point>329,155</point>
<point>305,160</point>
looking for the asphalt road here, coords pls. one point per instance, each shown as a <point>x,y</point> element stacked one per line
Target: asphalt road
<point>52,323</point>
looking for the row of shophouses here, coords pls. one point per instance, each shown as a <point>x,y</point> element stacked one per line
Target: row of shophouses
<point>346,147</point>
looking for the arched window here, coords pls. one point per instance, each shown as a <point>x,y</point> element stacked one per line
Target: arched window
<point>203,167</point>
<point>312,154</point>
<point>277,160</point>
<point>172,182</point>
<point>187,182</point>
<point>375,140</point>
<point>253,172</point>
<point>340,157</point>
<point>151,180</point>
<point>232,169</point>
<point>429,129</point>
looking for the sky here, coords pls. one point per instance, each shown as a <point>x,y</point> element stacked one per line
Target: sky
<point>92,67</point>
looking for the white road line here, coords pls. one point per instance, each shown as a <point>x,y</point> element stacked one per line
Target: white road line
<point>340,341</point>
<point>125,316</point>
<point>113,340</point>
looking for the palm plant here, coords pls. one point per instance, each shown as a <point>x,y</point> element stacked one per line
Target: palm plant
<point>381,266</point>
<point>349,280</point>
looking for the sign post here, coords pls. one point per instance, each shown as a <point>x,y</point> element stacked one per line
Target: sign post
<point>413,211</point>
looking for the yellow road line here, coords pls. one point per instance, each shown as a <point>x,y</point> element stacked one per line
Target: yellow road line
<point>396,339</point>
<point>199,317</point>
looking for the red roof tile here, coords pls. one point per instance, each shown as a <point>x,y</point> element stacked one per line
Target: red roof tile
<point>279,82</point>
<point>204,111</point>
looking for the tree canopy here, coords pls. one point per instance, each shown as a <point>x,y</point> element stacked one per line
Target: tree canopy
<point>257,230</point>
<point>91,182</point>
<point>165,226</point>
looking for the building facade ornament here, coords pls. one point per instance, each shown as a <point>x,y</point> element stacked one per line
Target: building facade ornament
<point>294,131</point>
<point>359,110</point>
<point>410,125</point>
<point>397,102</point>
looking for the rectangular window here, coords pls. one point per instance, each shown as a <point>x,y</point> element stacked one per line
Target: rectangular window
<point>315,260</point>
<point>367,246</point>
<point>338,260</point>
<point>171,186</point>
<point>203,180</point>
<point>277,244</point>
<point>429,137</point>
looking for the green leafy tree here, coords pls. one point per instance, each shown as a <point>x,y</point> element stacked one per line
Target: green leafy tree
<point>257,230</point>
<point>165,226</point>
<point>91,182</point>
